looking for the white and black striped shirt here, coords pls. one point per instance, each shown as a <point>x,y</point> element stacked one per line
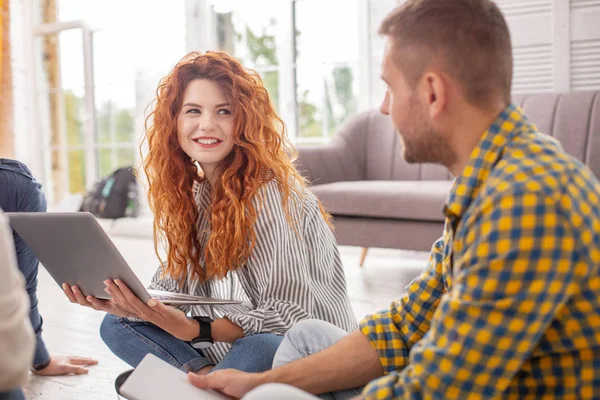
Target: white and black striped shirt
<point>290,276</point>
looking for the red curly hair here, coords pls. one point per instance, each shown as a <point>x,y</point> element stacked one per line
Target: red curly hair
<point>261,153</point>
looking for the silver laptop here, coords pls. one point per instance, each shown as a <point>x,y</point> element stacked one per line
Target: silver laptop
<point>74,249</point>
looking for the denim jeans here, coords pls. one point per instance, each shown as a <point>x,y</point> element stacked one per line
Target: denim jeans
<point>16,394</point>
<point>305,338</point>
<point>20,192</point>
<point>131,341</point>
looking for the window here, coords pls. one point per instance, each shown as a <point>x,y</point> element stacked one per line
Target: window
<point>326,66</point>
<point>94,77</point>
<point>318,64</point>
<point>316,58</point>
<point>249,33</point>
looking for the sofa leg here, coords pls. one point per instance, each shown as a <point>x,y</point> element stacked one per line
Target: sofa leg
<point>363,255</point>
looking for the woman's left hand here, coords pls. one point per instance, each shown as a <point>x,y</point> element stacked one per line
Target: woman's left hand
<point>168,318</point>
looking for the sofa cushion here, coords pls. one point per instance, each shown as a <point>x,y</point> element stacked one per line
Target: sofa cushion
<point>409,200</point>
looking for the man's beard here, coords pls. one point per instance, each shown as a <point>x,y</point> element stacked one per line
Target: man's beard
<point>425,144</point>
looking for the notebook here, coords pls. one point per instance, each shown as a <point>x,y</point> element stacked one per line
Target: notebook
<point>155,379</point>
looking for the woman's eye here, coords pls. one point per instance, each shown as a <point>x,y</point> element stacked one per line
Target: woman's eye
<point>193,111</point>
<point>224,111</point>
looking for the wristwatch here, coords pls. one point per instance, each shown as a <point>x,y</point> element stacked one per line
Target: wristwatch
<point>204,338</point>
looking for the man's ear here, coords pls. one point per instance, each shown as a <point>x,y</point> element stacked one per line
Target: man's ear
<point>435,92</point>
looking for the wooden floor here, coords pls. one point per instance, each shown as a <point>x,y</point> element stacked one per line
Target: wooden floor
<point>73,330</point>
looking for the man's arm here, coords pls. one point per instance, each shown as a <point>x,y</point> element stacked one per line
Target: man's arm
<point>395,331</point>
<point>382,344</point>
<point>381,347</point>
<point>351,362</point>
<point>513,277</point>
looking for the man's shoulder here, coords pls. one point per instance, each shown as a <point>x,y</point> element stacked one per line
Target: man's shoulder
<point>537,162</point>
<point>534,165</point>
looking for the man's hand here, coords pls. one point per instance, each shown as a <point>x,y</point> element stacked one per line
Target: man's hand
<point>66,365</point>
<point>228,381</point>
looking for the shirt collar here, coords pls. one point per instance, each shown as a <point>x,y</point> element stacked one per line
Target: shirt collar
<point>201,193</point>
<point>483,159</point>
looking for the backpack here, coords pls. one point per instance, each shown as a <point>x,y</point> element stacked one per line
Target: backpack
<point>115,196</point>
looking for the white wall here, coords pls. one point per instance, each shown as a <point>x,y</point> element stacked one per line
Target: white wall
<point>531,26</point>
<point>584,45</point>
<point>556,45</point>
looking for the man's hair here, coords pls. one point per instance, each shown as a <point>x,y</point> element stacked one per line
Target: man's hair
<point>468,39</point>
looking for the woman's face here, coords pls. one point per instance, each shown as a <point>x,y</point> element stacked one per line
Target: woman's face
<point>205,124</point>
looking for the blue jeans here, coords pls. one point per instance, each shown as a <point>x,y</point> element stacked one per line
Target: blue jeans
<point>131,341</point>
<point>16,394</point>
<point>305,338</point>
<point>20,192</point>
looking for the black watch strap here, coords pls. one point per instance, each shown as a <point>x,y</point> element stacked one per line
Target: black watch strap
<point>204,339</point>
<point>205,327</point>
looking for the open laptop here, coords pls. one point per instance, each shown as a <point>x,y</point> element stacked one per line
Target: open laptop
<point>74,249</point>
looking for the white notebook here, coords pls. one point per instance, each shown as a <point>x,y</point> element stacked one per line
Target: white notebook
<point>155,379</point>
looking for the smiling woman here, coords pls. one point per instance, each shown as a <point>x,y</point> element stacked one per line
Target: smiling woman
<point>238,223</point>
<point>205,124</point>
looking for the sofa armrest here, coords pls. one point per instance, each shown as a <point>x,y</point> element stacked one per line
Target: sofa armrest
<point>328,163</point>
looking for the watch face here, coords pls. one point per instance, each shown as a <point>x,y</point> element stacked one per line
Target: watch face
<point>202,344</point>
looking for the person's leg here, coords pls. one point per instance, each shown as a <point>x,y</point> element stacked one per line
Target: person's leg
<point>132,340</point>
<point>252,353</point>
<point>22,193</point>
<point>277,391</point>
<point>309,337</point>
<point>305,338</point>
<point>16,394</point>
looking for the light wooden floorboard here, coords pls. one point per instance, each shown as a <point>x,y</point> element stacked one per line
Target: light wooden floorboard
<point>73,330</point>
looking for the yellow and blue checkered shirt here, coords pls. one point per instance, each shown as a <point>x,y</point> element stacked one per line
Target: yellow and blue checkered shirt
<point>509,304</point>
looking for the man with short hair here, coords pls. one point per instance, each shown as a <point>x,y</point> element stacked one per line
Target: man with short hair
<point>509,304</point>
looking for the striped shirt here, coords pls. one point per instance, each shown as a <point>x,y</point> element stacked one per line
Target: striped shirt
<point>290,276</point>
<point>509,305</point>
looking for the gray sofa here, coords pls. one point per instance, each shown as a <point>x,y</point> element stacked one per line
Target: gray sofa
<point>379,200</point>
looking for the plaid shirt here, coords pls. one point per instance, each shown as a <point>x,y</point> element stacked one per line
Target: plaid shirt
<point>509,304</point>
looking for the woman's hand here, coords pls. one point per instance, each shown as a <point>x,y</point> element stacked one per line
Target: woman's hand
<point>168,318</point>
<point>76,297</point>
